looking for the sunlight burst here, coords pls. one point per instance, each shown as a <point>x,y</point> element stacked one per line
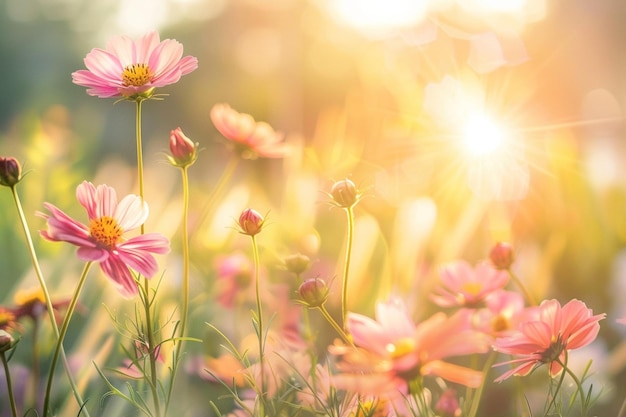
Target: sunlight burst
<point>482,136</point>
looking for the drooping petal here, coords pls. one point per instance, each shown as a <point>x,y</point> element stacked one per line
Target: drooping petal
<point>62,228</point>
<point>453,373</point>
<point>94,254</point>
<point>121,276</point>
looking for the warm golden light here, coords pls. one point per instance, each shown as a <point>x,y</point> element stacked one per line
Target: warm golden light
<point>482,136</point>
<point>373,16</point>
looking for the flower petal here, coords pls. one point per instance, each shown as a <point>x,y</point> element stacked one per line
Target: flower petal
<point>131,212</point>
<point>121,276</point>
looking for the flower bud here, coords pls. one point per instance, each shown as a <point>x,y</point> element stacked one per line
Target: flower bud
<point>502,256</point>
<point>448,404</point>
<point>344,193</point>
<point>297,263</point>
<point>10,171</point>
<point>313,292</point>
<point>250,222</point>
<point>6,341</point>
<point>184,151</point>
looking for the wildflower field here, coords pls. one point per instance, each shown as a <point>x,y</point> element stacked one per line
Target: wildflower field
<point>342,208</point>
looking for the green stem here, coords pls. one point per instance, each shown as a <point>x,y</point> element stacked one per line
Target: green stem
<point>255,250</point>
<point>153,382</point>
<point>479,391</point>
<point>185,307</point>
<point>529,297</point>
<point>46,295</point>
<point>147,299</point>
<point>335,326</point>
<point>579,386</point>
<point>139,154</point>
<point>227,173</point>
<point>59,346</point>
<point>7,375</point>
<point>344,286</point>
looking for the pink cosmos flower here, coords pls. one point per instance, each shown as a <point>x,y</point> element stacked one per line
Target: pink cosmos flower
<point>393,350</point>
<point>546,337</point>
<point>463,285</point>
<point>250,139</point>
<point>129,69</point>
<point>503,311</point>
<point>103,239</point>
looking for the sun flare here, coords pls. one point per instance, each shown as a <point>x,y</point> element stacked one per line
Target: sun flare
<point>482,136</point>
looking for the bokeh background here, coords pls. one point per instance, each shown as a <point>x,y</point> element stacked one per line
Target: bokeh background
<point>358,89</point>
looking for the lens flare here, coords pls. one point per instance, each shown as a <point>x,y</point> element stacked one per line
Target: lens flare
<point>482,136</point>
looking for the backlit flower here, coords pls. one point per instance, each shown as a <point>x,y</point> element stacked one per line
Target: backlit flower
<point>183,150</point>
<point>393,350</point>
<point>103,239</point>
<point>250,222</point>
<point>133,69</point>
<point>463,285</point>
<point>547,335</point>
<point>10,171</point>
<point>251,139</point>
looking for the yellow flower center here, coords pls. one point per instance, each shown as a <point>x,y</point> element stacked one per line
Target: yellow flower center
<point>105,231</point>
<point>26,297</point>
<point>137,75</point>
<point>500,323</point>
<point>402,347</point>
<point>371,408</point>
<point>472,288</point>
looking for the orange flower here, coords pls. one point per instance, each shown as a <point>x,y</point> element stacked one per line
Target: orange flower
<point>249,138</point>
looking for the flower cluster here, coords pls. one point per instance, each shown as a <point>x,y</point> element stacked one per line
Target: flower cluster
<point>322,333</point>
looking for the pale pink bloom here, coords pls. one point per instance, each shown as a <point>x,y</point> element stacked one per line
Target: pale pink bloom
<point>463,285</point>
<point>622,321</point>
<point>183,150</point>
<point>501,315</point>
<point>103,239</point>
<point>550,332</point>
<point>251,139</point>
<point>393,350</point>
<point>129,68</point>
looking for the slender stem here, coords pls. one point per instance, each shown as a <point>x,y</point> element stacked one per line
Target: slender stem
<point>529,297</point>
<point>46,294</point>
<point>147,299</point>
<point>227,173</point>
<point>7,375</point>
<point>185,307</point>
<point>59,346</point>
<point>255,250</point>
<point>334,324</point>
<point>479,391</point>
<point>344,287</point>
<point>579,386</point>
<point>153,382</point>
<point>139,154</point>
<point>185,238</point>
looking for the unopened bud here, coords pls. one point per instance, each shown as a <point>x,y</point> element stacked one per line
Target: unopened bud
<point>6,341</point>
<point>448,404</point>
<point>251,222</point>
<point>297,263</point>
<point>313,292</point>
<point>502,256</point>
<point>344,193</point>
<point>10,171</point>
<point>184,151</point>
